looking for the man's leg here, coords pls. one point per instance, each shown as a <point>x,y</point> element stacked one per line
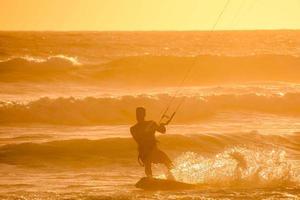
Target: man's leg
<point>168,163</point>
<point>148,170</point>
<point>164,159</point>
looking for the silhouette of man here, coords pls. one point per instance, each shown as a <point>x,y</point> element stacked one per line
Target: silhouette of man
<point>143,132</point>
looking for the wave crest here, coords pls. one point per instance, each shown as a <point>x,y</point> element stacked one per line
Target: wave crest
<point>155,70</point>
<point>56,59</point>
<point>91,110</point>
<point>28,68</point>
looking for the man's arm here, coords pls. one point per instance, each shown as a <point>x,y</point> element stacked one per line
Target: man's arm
<point>133,133</point>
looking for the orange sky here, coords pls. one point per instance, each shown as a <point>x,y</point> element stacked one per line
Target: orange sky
<point>147,14</point>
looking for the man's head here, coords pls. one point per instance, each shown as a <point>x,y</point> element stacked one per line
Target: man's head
<point>140,114</point>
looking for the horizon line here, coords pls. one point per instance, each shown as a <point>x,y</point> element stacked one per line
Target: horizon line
<point>170,30</point>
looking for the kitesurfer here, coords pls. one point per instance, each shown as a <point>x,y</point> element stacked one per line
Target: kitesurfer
<point>143,132</point>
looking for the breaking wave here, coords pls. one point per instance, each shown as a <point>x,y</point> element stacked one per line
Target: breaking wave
<point>92,110</point>
<point>30,68</point>
<point>154,70</point>
<point>237,159</point>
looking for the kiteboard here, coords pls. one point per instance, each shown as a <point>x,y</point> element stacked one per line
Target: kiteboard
<point>146,183</point>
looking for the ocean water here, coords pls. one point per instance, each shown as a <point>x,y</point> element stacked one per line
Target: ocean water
<point>67,101</point>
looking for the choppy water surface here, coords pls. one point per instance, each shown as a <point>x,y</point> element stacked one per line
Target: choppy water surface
<point>67,101</point>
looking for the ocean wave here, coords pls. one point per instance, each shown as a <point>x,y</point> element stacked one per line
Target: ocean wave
<point>93,111</point>
<point>231,160</point>
<point>30,68</point>
<point>155,70</point>
<point>124,150</point>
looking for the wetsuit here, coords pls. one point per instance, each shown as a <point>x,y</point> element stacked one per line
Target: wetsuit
<point>144,134</point>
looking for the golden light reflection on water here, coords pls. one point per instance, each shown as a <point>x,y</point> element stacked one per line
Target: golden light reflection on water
<point>237,167</point>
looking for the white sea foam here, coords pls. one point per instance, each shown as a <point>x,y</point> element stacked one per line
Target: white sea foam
<point>237,167</point>
<point>36,59</point>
